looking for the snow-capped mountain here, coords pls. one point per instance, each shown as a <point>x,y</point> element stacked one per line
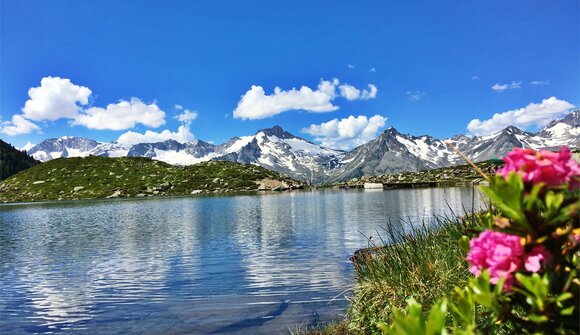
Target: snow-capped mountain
<point>393,152</point>
<point>278,150</point>
<point>66,146</point>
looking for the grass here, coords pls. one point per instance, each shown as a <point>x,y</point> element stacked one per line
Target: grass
<point>99,177</point>
<point>424,263</point>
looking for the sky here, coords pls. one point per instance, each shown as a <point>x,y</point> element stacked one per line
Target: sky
<point>334,72</point>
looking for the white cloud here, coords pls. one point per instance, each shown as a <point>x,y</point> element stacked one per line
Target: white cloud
<point>373,69</point>
<point>182,135</point>
<point>534,114</point>
<point>540,82</point>
<point>178,107</point>
<point>255,104</point>
<point>187,117</point>
<point>415,96</point>
<point>503,87</point>
<point>58,98</point>
<point>18,126</point>
<point>54,99</point>
<point>346,133</point>
<point>350,66</point>
<point>352,93</point>
<point>122,115</point>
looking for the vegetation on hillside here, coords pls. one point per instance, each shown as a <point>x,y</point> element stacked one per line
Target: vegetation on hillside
<point>101,177</point>
<point>447,176</point>
<point>13,160</point>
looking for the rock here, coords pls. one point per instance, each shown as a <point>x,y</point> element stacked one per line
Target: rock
<point>111,173</point>
<point>156,192</point>
<point>373,186</point>
<point>115,194</point>
<point>150,189</point>
<point>196,192</point>
<point>215,180</point>
<point>140,195</point>
<point>78,188</point>
<point>38,182</point>
<point>165,186</point>
<point>270,184</point>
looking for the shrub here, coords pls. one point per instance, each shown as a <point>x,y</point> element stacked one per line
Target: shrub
<point>525,264</point>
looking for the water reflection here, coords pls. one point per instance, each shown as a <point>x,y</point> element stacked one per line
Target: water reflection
<point>194,265</point>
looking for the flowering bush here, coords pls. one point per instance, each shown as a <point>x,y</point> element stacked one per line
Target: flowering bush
<point>525,262</point>
<point>502,254</point>
<point>550,168</point>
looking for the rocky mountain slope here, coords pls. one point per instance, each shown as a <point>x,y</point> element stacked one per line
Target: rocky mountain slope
<point>393,152</point>
<point>278,150</point>
<point>13,161</point>
<point>102,177</point>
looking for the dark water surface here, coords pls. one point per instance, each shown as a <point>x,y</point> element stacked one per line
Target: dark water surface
<point>255,264</point>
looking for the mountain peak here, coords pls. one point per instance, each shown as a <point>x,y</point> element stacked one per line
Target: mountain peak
<point>572,119</point>
<point>277,131</point>
<point>392,131</point>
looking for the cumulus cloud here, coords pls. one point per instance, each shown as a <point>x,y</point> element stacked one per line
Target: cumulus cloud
<point>255,104</point>
<point>503,87</point>
<point>352,93</point>
<point>346,133</point>
<point>178,107</point>
<point>416,95</point>
<point>18,126</point>
<point>350,66</point>
<point>534,114</point>
<point>187,117</point>
<point>540,82</point>
<point>182,135</point>
<point>54,99</point>
<point>58,98</point>
<point>122,115</point>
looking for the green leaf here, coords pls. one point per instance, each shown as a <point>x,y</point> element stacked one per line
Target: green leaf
<point>507,195</point>
<point>464,243</point>
<point>437,315</point>
<point>538,318</point>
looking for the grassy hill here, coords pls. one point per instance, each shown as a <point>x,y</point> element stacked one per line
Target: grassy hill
<point>101,177</point>
<point>447,176</point>
<point>13,160</point>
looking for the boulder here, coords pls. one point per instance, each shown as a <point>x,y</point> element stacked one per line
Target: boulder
<point>196,192</point>
<point>115,194</point>
<point>78,188</point>
<point>271,184</point>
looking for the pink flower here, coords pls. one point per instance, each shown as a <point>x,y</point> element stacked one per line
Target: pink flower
<point>500,253</point>
<point>551,168</point>
<point>533,259</point>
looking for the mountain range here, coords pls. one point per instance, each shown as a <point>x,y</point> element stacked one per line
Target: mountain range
<point>278,150</point>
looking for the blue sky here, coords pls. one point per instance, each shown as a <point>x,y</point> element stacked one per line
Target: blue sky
<point>434,66</point>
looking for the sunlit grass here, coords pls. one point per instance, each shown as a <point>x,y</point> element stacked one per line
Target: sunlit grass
<point>423,262</point>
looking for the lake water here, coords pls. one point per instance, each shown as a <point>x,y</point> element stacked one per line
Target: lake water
<point>253,264</point>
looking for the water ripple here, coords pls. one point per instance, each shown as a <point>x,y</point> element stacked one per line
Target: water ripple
<point>192,265</point>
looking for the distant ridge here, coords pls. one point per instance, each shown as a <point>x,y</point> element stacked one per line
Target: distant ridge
<point>278,150</point>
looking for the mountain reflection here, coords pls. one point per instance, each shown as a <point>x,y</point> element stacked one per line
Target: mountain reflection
<point>136,265</point>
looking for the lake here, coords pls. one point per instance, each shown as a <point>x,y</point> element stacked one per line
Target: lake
<point>247,264</point>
